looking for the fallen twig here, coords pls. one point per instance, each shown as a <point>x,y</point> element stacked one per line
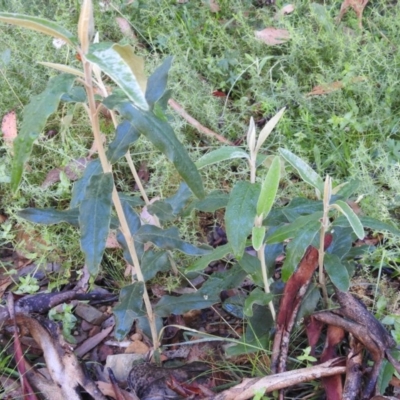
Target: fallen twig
<point>202,129</point>
<point>248,387</point>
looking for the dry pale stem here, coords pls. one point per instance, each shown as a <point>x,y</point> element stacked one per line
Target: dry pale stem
<point>116,200</point>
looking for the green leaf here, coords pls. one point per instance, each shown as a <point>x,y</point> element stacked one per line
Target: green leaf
<point>167,239</point>
<point>41,25</point>
<point>179,199</point>
<point>288,231</point>
<point>386,373</point>
<point>63,68</point>
<point>163,138</point>
<point>342,241</point>
<point>268,128</point>
<point>123,67</point>
<point>221,154</point>
<point>179,305</point>
<point>240,214</point>
<point>217,254</point>
<point>34,119</point>
<point>50,216</point>
<point>337,272</point>
<point>94,219</point>
<point>269,188</point>
<point>296,248</point>
<point>153,262</point>
<point>162,210</point>
<point>125,136</point>
<point>76,95</point>
<point>257,296</point>
<point>257,237</point>
<point>305,171</point>
<point>78,191</point>
<point>212,202</point>
<point>351,216</point>
<point>252,266</point>
<point>129,308</point>
<point>157,83</point>
<point>133,201</point>
<point>377,225</point>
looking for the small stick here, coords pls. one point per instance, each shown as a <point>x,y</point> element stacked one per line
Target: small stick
<point>202,129</point>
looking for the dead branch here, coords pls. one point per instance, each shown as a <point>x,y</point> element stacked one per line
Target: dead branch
<point>248,387</point>
<point>196,124</point>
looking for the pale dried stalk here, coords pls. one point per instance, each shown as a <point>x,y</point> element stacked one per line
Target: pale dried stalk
<point>192,121</point>
<point>116,200</point>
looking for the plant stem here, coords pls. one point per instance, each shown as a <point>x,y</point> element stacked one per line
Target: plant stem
<point>324,228</point>
<point>261,257</point>
<point>116,200</point>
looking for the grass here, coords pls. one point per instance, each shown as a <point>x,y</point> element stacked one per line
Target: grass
<point>350,133</point>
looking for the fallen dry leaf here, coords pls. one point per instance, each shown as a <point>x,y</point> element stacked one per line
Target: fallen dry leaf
<point>332,87</point>
<point>72,170</point>
<point>214,7</point>
<point>288,9</point>
<point>357,5</point>
<point>9,128</point>
<point>273,36</point>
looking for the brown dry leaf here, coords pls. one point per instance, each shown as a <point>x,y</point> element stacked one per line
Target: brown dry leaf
<point>125,28</point>
<point>214,6</point>
<point>137,347</point>
<point>288,9</point>
<point>72,170</point>
<point>273,36</point>
<point>332,87</point>
<point>357,5</point>
<point>112,242</point>
<point>9,128</point>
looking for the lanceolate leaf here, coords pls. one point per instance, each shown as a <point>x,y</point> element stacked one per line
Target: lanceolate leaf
<point>269,188</point>
<point>167,239</point>
<point>337,271</point>
<point>180,198</point>
<point>153,262</point>
<point>94,219</point>
<point>217,254</point>
<point>163,138</point>
<point>157,82</point>
<point>34,117</point>
<point>63,68</point>
<point>123,67</point>
<point>125,136</point>
<point>179,305</point>
<point>288,231</point>
<point>297,247</point>
<point>240,214</point>
<point>257,296</point>
<point>257,237</point>
<point>221,154</point>
<point>129,308</point>
<point>213,202</point>
<point>42,25</point>
<point>354,221</point>
<point>379,225</point>
<point>78,191</point>
<point>50,216</point>
<point>305,171</point>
